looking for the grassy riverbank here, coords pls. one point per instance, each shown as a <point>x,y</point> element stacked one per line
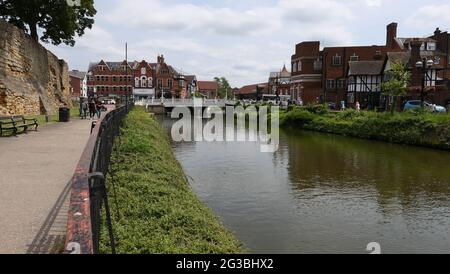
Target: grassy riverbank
<point>411,128</point>
<point>159,213</point>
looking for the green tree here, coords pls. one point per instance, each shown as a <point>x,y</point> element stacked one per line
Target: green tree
<point>59,21</point>
<point>398,84</point>
<point>224,87</point>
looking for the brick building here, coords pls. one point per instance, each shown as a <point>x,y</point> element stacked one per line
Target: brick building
<point>141,79</point>
<point>78,84</point>
<point>253,92</point>
<point>209,89</point>
<point>321,75</point>
<point>349,74</point>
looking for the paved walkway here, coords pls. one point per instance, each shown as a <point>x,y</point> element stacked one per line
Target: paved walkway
<point>35,170</point>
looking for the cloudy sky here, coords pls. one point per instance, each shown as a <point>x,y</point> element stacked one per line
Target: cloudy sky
<point>242,40</point>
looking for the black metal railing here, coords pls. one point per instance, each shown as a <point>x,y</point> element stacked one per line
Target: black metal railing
<point>89,200</point>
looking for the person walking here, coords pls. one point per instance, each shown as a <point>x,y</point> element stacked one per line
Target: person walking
<point>92,109</point>
<point>98,106</point>
<point>358,106</point>
<point>84,109</point>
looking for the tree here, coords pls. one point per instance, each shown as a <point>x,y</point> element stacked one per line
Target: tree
<point>398,84</point>
<point>59,21</point>
<point>224,87</point>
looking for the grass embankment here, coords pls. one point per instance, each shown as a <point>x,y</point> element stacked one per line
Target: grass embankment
<point>159,213</point>
<point>412,128</point>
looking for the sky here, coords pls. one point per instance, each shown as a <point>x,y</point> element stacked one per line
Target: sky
<point>242,40</point>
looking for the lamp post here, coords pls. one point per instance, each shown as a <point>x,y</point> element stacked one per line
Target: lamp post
<point>424,66</point>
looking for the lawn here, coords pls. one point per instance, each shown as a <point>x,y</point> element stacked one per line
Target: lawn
<point>412,128</point>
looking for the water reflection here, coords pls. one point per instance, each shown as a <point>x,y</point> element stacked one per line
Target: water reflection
<point>325,193</point>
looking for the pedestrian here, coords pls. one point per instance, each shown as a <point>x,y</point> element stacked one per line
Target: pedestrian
<point>84,107</point>
<point>358,106</point>
<point>343,106</point>
<point>81,107</point>
<point>98,106</point>
<point>92,109</point>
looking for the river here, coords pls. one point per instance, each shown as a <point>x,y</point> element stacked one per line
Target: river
<point>323,193</point>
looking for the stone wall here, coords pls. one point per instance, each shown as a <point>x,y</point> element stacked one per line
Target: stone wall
<point>32,79</point>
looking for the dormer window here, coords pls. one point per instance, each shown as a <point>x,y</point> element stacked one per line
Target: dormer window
<point>354,58</point>
<point>431,46</point>
<point>143,71</point>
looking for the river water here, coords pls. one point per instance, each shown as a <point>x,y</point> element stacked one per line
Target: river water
<point>323,193</point>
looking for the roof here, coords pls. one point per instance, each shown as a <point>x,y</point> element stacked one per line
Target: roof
<point>365,68</point>
<point>404,41</point>
<point>77,74</point>
<point>251,89</point>
<point>207,85</point>
<point>283,74</point>
<point>190,78</point>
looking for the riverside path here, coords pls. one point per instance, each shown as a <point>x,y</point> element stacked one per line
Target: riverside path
<point>35,170</point>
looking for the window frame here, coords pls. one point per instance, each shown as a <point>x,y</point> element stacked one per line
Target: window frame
<point>333,61</point>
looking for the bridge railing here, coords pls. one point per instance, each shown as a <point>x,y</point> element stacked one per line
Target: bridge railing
<point>89,196</point>
<point>183,102</point>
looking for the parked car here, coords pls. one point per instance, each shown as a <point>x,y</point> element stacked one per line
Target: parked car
<point>416,104</point>
<point>332,106</point>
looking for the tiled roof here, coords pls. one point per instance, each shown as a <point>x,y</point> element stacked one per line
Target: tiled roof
<point>365,68</point>
<point>251,89</point>
<point>207,85</point>
<point>77,74</point>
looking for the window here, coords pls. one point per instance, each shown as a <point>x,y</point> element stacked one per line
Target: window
<point>437,60</point>
<point>431,46</point>
<point>331,84</point>
<point>170,83</point>
<point>448,59</point>
<point>422,48</point>
<point>107,78</point>
<point>114,79</point>
<point>144,81</point>
<point>354,58</point>
<point>150,82</point>
<point>294,69</point>
<point>98,78</point>
<point>136,82</point>
<point>340,83</point>
<point>318,64</point>
<point>143,71</point>
<point>160,83</point>
<point>299,66</point>
<point>337,60</point>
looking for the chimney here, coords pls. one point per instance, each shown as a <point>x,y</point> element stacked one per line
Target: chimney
<point>391,35</point>
<point>416,44</point>
<point>416,77</point>
<point>437,32</point>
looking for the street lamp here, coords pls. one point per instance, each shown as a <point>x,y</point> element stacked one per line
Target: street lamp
<point>424,66</point>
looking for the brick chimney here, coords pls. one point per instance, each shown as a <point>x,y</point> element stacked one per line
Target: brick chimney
<point>416,77</point>
<point>391,35</point>
<point>416,44</point>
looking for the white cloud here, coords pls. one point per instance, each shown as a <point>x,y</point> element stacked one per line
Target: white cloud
<point>241,40</point>
<point>429,17</point>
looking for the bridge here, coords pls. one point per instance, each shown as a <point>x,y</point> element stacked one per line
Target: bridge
<point>189,103</point>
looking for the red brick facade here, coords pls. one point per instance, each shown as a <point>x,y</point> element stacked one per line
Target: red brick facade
<point>322,75</point>
<point>146,79</point>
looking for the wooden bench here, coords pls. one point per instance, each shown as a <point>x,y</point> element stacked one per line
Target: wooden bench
<point>16,124</point>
